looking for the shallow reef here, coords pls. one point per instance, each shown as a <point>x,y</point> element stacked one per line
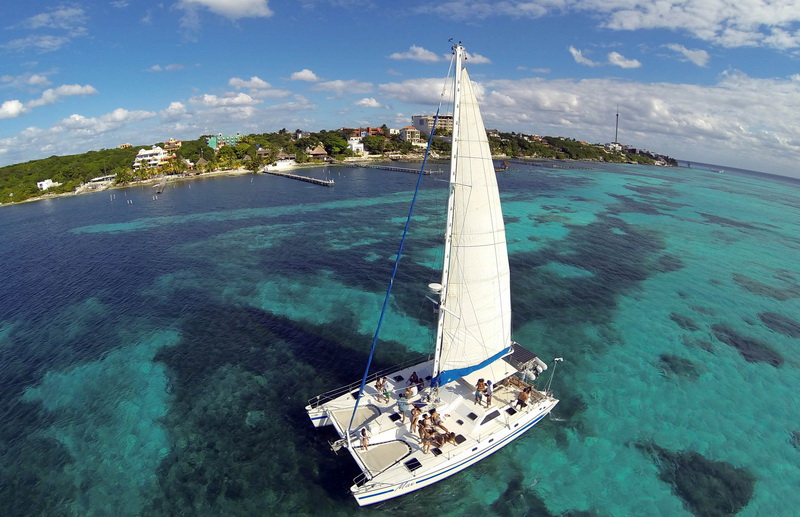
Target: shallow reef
<point>751,349</point>
<point>780,323</point>
<point>707,487</point>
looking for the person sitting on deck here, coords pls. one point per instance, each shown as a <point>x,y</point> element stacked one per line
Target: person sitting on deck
<point>436,420</point>
<point>439,440</point>
<point>413,379</point>
<point>422,426</point>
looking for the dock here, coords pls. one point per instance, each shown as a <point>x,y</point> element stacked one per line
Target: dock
<point>315,181</point>
<point>390,168</point>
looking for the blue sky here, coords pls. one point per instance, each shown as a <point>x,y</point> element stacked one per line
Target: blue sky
<point>703,80</point>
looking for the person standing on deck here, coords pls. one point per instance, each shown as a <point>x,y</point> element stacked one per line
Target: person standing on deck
<point>402,406</point>
<point>479,389</point>
<point>489,392</point>
<point>364,438</point>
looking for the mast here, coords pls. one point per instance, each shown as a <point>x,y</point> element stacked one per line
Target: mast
<point>458,50</point>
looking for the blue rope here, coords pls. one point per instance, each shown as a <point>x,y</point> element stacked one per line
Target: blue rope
<point>394,273</point>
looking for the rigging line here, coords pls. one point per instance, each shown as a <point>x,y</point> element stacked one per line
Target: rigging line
<point>397,258</point>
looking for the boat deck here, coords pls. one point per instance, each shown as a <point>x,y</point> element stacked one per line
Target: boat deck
<point>395,453</point>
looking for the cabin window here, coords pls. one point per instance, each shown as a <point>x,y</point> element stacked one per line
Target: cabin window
<point>413,464</point>
<point>491,416</point>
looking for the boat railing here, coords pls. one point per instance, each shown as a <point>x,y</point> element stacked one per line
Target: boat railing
<point>338,392</point>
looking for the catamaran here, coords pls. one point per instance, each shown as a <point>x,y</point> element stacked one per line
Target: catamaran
<point>473,346</point>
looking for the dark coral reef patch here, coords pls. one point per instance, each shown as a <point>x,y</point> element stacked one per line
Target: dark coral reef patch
<point>678,366</point>
<point>751,349</point>
<point>707,487</point>
<point>780,323</point>
<point>684,322</point>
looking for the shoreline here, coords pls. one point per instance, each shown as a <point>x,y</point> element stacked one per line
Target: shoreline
<point>83,189</point>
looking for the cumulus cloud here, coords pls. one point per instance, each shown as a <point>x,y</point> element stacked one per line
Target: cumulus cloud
<point>340,88</point>
<point>213,101</point>
<point>304,75</point>
<point>254,82</point>
<point>175,111</point>
<point>477,59</point>
<point>728,23</point>
<point>617,59</point>
<point>577,55</point>
<point>416,53</point>
<point>15,108</point>
<point>232,9</point>
<point>52,95</point>
<point>12,109</point>
<point>369,102</point>
<point>698,57</point>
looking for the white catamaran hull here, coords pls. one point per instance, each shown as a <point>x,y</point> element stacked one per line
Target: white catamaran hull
<point>371,493</point>
<point>394,463</point>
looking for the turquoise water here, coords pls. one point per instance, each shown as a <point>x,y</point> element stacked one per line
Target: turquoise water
<point>156,353</point>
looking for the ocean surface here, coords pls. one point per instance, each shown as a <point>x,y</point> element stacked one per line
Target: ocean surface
<point>156,352</point>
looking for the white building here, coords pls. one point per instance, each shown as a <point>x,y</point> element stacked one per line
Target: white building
<point>424,123</point>
<point>355,145</point>
<point>150,157</point>
<point>46,184</point>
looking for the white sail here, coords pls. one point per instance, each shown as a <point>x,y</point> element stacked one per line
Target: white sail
<point>475,312</point>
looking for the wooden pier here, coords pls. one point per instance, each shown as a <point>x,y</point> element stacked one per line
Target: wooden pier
<point>390,168</point>
<point>316,181</point>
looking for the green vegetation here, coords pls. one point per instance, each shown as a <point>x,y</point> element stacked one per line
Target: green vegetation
<point>18,182</point>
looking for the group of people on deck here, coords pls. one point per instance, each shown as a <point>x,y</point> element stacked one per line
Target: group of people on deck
<point>427,425</point>
<point>484,388</point>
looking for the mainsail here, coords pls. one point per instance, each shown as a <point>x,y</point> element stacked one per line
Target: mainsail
<point>474,327</point>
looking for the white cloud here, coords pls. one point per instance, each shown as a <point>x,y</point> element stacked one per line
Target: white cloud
<point>471,10</point>
<point>369,102</point>
<point>168,68</point>
<point>698,57</point>
<point>340,88</point>
<point>71,20</point>
<point>304,75</point>
<point>617,59</point>
<point>477,59</point>
<point>416,53</point>
<point>52,95</point>
<point>174,112</point>
<point>232,9</point>
<point>213,101</point>
<point>728,23</point>
<point>12,109</point>
<point>65,18</point>
<point>45,43</point>
<point>25,80</point>
<point>254,82</point>
<point>15,108</point>
<point>577,55</point>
